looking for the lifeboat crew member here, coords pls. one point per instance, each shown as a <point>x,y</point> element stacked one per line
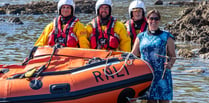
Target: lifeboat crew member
<point>66,29</point>
<point>137,22</point>
<point>105,32</point>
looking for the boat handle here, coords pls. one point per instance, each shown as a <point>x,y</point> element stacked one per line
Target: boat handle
<point>60,88</point>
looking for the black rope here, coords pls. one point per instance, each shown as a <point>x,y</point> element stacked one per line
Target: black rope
<point>44,67</point>
<point>30,55</point>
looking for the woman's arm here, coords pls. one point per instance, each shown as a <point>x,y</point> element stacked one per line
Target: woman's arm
<point>135,49</point>
<point>171,53</point>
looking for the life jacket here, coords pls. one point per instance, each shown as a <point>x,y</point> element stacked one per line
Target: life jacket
<point>131,30</point>
<point>104,39</point>
<point>65,36</point>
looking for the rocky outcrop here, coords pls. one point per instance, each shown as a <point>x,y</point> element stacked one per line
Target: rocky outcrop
<point>193,25</point>
<point>43,7</point>
<point>15,20</point>
<point>185,53</point>
<point>85,6</point>
<point>185,3</point>
<point>31,8</point>
<point>195,71</point>
<point>158,2</point>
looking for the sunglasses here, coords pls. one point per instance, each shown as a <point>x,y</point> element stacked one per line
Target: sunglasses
<point>154,18</point>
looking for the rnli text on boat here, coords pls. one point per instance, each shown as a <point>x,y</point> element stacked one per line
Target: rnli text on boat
<point>98,75</point>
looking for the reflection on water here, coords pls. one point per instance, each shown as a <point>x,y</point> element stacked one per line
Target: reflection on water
<point>17,40</point>
<point>191,87</point>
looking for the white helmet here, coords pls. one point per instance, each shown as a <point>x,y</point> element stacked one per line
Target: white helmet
<point>65,2</point>
<point>102,2</point>
<point>136,4</point>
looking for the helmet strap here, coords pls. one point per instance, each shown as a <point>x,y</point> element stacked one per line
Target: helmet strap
<point>64,20</point>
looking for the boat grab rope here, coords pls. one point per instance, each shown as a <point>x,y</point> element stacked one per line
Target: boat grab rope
<point>30,55</point>
<point>44,67</point>
<point>126,62</point>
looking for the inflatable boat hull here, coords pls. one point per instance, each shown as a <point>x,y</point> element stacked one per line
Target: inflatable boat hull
<point>71,78</point>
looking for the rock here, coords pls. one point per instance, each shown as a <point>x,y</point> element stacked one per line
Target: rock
<point>2,11</point>
<point>158,2</point>
<point>180,68</point>
<point>192,25</point>
<point>43,7</point>
<point>15,20</point>
<point>2,20</point>
<point>203,50</point>
<point>6,4</point>
<point>195,71</point>
<point>205,56</point>
<point>184,3</point>
<point>86,6</point>
<point>185,53</point>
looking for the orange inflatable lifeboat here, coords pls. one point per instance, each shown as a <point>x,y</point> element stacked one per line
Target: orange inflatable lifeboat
<point>75,75</point>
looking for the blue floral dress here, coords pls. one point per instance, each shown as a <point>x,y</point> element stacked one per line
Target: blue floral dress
<point>151,46</point>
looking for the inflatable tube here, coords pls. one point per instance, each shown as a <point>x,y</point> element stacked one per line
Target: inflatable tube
<point>71,78</point>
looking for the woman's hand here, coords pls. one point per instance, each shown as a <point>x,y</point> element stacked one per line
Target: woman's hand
<point>168,65</point>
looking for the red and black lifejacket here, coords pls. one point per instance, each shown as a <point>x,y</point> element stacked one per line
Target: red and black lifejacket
<point>132,31</point>
<point>65,36</point>
<point>104,39</point>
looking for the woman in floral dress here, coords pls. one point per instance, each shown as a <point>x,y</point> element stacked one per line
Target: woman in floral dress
<point>155,46</point>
